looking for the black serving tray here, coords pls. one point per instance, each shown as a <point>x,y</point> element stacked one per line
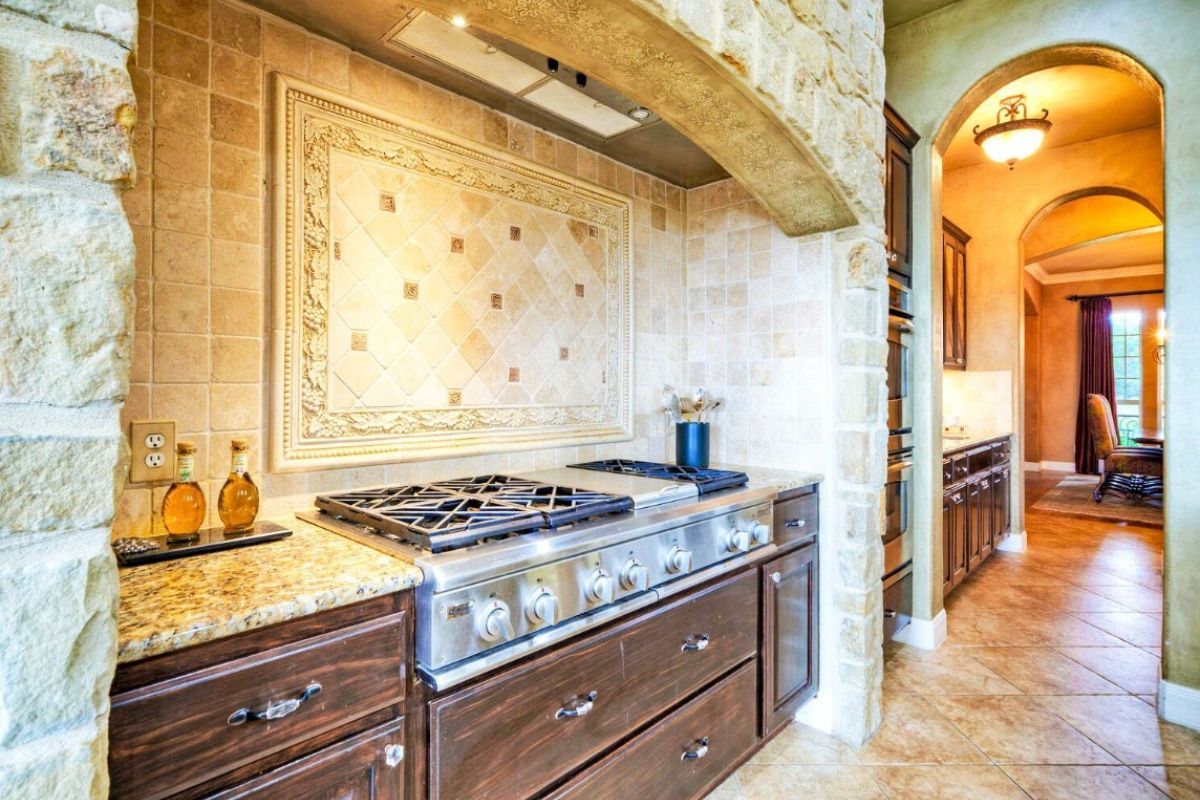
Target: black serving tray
<point>209,540</point>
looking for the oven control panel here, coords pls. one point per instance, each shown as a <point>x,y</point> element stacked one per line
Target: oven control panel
<point>474,619</point>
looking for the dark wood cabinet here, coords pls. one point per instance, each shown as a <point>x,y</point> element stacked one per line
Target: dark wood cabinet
<point>976,511</point>
<point>329,690</point>
<point>369,766</point>
<point>898,183</point>
<point>954,295</point>
<point>789,654</point>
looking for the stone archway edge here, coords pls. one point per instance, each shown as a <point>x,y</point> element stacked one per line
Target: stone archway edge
<point>706,93</point>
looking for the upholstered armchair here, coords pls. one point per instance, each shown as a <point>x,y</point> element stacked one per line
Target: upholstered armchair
<point>1132,472</point>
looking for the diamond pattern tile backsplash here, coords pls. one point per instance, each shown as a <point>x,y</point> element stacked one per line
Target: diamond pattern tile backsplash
<point>460,298</point>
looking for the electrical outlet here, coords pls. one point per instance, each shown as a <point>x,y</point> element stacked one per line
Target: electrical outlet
<point>152,451</point>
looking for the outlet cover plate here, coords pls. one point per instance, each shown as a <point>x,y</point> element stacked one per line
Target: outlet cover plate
<point>139,434</point>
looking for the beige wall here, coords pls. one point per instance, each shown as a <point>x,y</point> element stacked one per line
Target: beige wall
<point>936,61</point>
<point>200,221</point>
<point>1031,435</point>
<point>1059,357</point>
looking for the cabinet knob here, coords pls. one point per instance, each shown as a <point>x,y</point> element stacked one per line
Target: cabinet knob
<point>776,577</point>
<point>695,643</point>
<point>577,706</point>
<point>393,754</point>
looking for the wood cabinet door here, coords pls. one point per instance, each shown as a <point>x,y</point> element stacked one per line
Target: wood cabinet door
<point>1001,486</point>
<point>898,208</point>
<point>974,530</point>
<point>789,651</point>
<point>954,296</point>
<point>986,520</point>
<point>959,539</point>
<point>364,767</point>
<point>947,544</point>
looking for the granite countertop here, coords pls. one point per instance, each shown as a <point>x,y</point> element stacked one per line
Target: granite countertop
<point>170,605</point>
<point>784,480</point>
<point>973,438</point>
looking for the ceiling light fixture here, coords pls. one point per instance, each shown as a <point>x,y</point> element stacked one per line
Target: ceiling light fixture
<point>458,21</point>
<point>1014,136</point>
<point>640,113</point>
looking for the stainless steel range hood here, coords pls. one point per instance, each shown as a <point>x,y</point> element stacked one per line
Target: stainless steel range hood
<point>507,77</point>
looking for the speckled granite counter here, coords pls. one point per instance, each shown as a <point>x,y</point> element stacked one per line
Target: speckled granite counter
<point>784,480</point>
<point>973,438</point>
<point>175,604</point>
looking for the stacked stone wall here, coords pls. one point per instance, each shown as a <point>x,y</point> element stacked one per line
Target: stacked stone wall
<point>67,112</point>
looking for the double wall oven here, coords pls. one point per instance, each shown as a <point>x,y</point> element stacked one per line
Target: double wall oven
<point>897,536</point>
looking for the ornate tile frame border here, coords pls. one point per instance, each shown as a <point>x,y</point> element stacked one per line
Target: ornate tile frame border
<point>305,434</point>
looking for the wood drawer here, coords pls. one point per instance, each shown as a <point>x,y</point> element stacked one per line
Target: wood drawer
<point>718,724</point>
<point>961,467</point>
<point>1001,453</point>
<point>796,519</point>
<point>167,736</point>
<point>369,766</point>
<point>947,471</point>
<point>636,670</point>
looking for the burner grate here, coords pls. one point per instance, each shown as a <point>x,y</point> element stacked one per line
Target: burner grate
<point>456,513</point>
<point>705,480</point>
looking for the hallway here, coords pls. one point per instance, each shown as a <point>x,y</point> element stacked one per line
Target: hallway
<point>1045,687</point>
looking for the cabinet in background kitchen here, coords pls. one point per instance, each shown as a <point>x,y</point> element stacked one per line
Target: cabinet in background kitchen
<point>976,509</point>
<point>789,613</point>
<point>954,295</point>
<point>898,194</point>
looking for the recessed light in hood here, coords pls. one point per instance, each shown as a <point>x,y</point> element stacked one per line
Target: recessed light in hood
<point>435,37</point>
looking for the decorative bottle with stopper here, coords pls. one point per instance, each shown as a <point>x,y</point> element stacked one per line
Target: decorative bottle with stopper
<point>183,505</point>
<point>238,501</point>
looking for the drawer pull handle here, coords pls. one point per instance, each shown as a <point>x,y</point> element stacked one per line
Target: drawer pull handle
<point>694,643</point>
<point>276,709</point>
<point>576,706</point>
<point>794,523</point>
<point>697,749</point>
<point>393,754</point>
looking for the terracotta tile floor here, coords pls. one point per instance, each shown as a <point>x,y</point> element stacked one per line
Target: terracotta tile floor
<point>1045,688</point>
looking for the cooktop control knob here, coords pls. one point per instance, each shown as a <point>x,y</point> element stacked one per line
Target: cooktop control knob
<point>542,607</point>
<point>737,540</point>
<point>493,622</point>
<point>679,560</point>
<point>760,533</point>
<point>634,576</point>
<point>599,587</point>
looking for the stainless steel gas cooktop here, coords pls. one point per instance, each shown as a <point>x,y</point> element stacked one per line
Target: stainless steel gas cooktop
<point>515,563</point>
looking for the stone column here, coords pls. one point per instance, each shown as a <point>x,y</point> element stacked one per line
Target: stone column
<point>860,309</point>
<point>66,275</point>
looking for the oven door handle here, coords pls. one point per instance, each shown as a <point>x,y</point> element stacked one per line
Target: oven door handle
<point>899,466</point>
<point>900,323</point>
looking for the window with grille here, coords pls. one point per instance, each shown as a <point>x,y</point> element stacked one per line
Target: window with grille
<point>1127,367</point>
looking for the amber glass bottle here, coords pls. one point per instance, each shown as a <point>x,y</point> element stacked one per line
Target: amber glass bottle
<point>238,502</point>
<point>183,505</point>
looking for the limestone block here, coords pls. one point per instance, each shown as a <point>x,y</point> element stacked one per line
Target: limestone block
<point>861,395</point>
<point>70,766</point>
<point>856,456</point>
<point>59,596</point>
<point>860,637</point>
<point>738,32</point>
<point>66,294</point>
<point>699,17</point>
<point>861,568</point>
<point>77,115</point>
<point>863,352</point>
<point>116,19</point>
<point>50,483</point>
<point>862,313</point>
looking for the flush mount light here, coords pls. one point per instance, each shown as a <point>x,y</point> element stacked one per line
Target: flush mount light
<point>641,114</point>
<point>458,21</point>
<point>1015,135</point>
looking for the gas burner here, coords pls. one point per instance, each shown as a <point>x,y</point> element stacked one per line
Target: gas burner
<point>457,513</point>
<point>705,480</point>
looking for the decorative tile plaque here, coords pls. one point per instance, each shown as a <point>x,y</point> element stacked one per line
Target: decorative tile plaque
<point>463,337</point>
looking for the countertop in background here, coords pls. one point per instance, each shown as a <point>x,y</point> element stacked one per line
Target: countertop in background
<point>973,438</point>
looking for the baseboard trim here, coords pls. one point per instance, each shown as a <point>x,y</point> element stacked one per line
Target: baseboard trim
<point>1014,542</point>
<point>927,634</point>
<point>1179,704</point>
<point>1057,466</point>
<point>1033,466</point>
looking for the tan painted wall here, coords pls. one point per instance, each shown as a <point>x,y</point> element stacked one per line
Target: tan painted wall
<point>1059,357</point>
<point>1033,388</point>
<point>933,63</point>
<point>994,205</point>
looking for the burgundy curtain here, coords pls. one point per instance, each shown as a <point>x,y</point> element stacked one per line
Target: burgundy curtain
<point>1095,375</point>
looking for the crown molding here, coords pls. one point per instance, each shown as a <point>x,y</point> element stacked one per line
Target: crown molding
<point>1047,279</point>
